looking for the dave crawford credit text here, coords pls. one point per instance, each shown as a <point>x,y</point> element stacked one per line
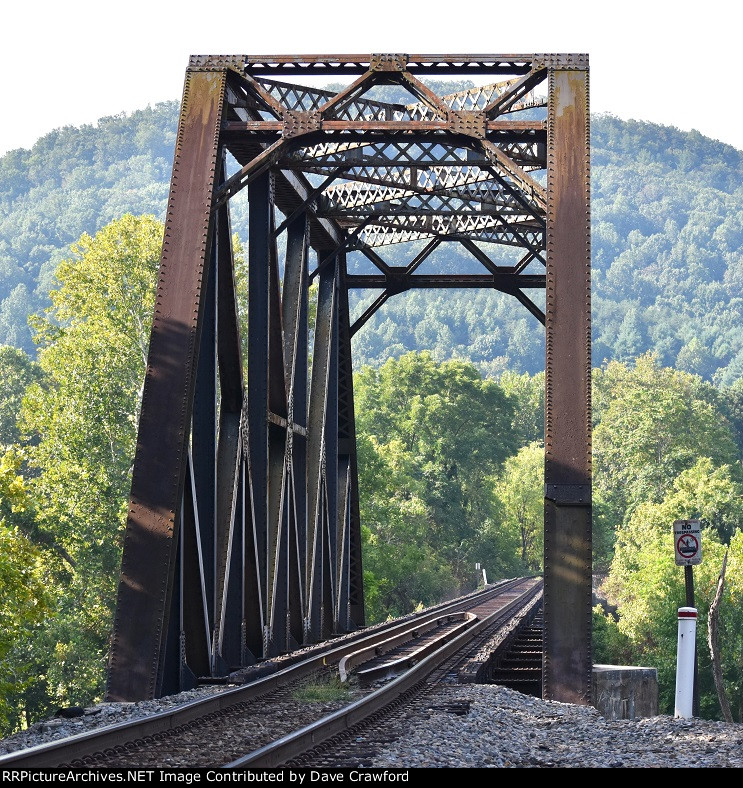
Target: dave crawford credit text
<point>210,776</point>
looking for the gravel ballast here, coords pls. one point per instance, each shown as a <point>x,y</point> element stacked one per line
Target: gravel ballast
<point>487,726</point>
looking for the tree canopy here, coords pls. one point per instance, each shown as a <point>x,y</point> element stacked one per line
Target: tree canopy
<point>434,437</point>
<point>79,420</point>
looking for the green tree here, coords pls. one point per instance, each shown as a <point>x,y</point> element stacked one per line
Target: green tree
<point>93,348</point>
<point>17,371</point>
<point>630,341</point>
<point>401,570</point>
<point>651,423</point>
<point>528,393</point>
<point>648,588</point>
<point>25,594</point>
<point>433,436</point>
<point>732,399</point>
<point>520,489</point>
<point>694,358</point>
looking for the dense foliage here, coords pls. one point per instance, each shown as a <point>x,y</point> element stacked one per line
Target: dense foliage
<point>79,421</point>
<point>74,181</point>
<point>652,423</point>
<point>428,462</point>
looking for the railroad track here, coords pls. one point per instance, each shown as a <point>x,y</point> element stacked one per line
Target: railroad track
<point>266,723</point>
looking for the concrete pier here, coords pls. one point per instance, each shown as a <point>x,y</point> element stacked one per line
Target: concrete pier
<point>624,692</point>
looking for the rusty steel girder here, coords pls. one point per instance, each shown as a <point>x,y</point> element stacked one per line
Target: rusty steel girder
<point>243,539</point>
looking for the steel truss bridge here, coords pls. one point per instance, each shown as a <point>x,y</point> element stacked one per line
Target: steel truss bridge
<point>243,531</point>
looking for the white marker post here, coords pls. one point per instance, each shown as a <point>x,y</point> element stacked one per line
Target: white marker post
<point>685,659</point>
<point>687,539</point>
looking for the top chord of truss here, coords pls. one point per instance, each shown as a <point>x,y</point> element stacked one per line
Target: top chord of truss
<point>323,65</point>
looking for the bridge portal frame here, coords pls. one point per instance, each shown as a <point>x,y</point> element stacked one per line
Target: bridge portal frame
<point>243,532</point>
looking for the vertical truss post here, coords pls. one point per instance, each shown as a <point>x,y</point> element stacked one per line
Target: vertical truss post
<point>279,483</point>
<point>332,538</point>
<point>350,575</point>
<point>259,245</point>
<point>295,316</point>
<point>321,427</point>
<point>567,661</point>
<point>204,434</point>
<point>228,537</point>
<point>252,592</point>
<point>141,625</point>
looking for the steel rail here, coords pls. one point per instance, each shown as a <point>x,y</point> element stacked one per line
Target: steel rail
<point>294,744</point>
<point>71,748</point>
<point>356,658</point>
<point>393,665</point>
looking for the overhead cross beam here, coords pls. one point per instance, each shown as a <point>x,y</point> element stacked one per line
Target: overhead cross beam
<point>243,538</point>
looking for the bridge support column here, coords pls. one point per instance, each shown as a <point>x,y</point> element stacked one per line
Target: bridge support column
<point>567,659</point>
<point>150,557</point>
<point>322,459</point>
<point>350,573</point>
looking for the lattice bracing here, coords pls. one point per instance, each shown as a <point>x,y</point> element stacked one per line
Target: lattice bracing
<point>362,200</point>
<point>305,99</point>
<point>397,230</point>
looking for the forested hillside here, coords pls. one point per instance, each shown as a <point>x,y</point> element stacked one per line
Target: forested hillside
<point>667,211</point>
<point>72,181</point>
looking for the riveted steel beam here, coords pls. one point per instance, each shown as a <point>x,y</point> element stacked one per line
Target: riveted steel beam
<point>322,430</point>
<point>295,308</point>
<point>260,243</point>
<point>398,281</point>
<point>567,661</point>
<point>227,648</point>
<point>337,65</point>
<point>137,658</point>
<point>507,130</point>
<point>350,612</point>
<point>276,96</point>
<point>441,157</point>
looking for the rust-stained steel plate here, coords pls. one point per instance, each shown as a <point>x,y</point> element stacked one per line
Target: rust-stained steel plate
<point>150,543</point>
<point>567,538</point>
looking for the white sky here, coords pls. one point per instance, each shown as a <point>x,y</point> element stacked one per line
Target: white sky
<point>70,63</point>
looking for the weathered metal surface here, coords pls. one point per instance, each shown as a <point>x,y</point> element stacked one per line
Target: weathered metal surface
<point>295,307</point>
<point>317,572</point>
<point>471,124</point>
<point>496,98</point>
<point>440,156</point>
<point>151,539</point>
<point>567,537</point>
<point>350,602</point>
<point>401,281</point>
<point>244,536</point>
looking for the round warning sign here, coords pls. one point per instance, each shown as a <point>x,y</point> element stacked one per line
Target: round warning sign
<point>687,545</point>
<point>687,535</point>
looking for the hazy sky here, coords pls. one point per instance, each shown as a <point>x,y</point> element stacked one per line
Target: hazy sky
<point>70,63</point>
